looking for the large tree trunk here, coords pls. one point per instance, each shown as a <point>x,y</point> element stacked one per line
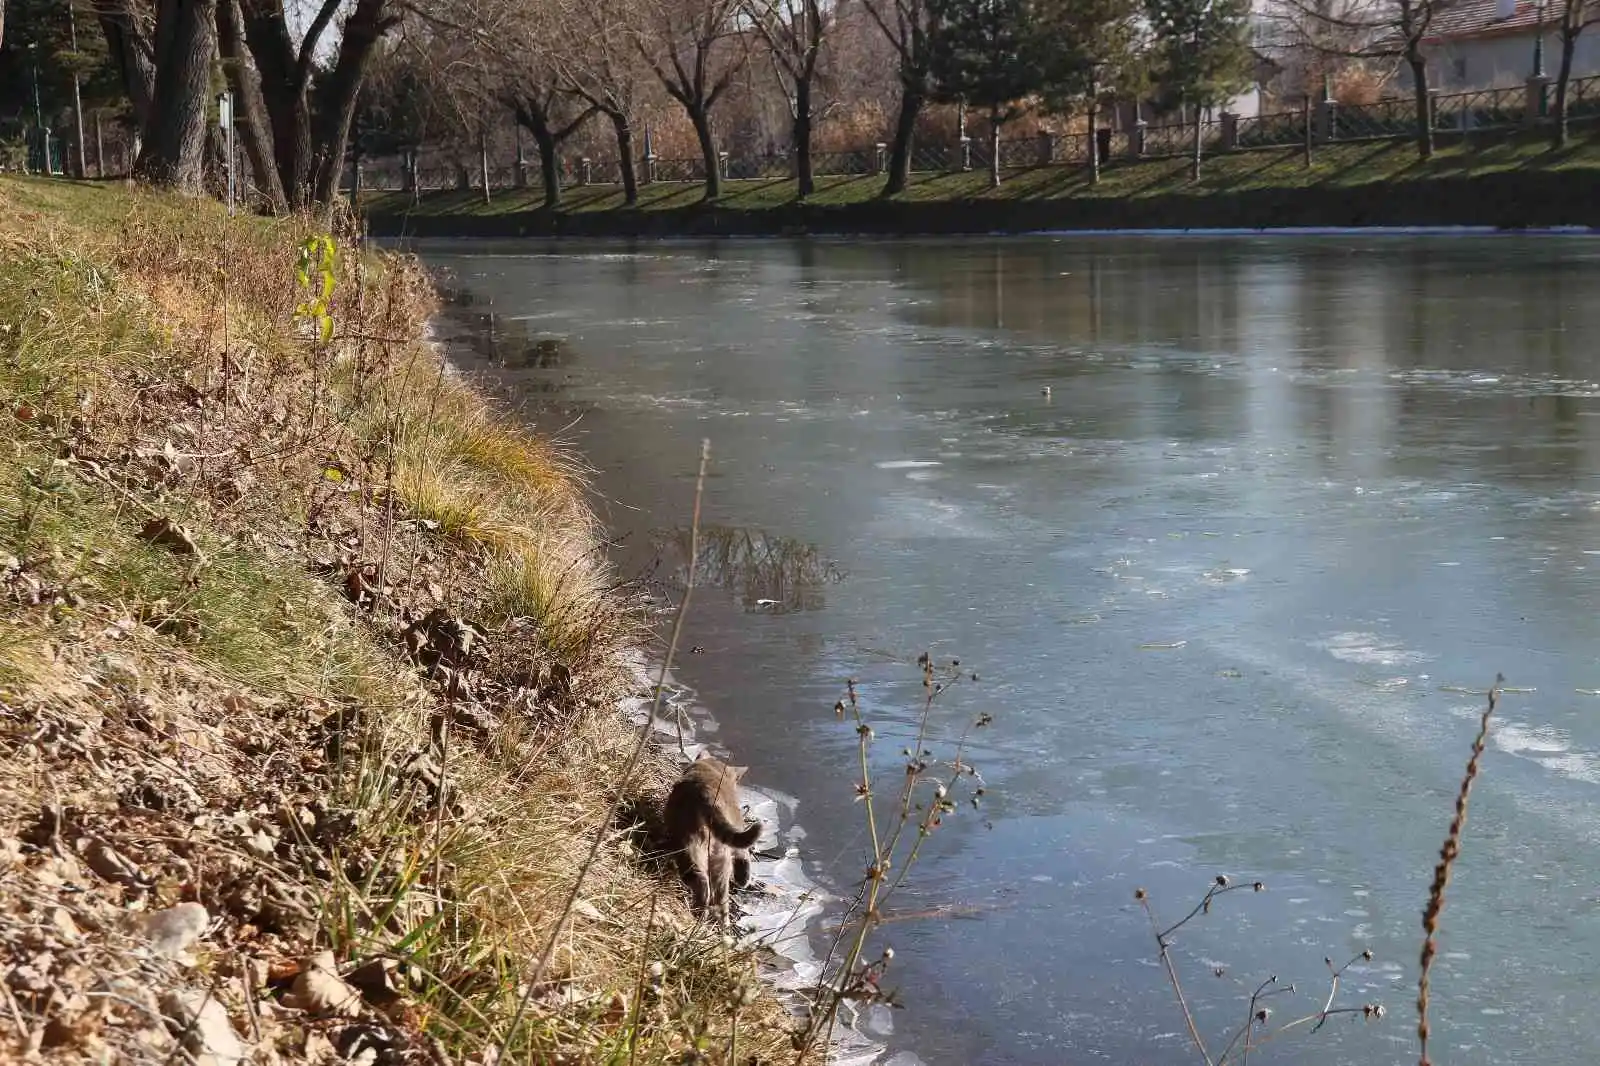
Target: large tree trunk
<point>911,100</point>
<point>994,148</point>
<point>249,110</point>
<point>366,24</point>
<point>175,138</point>
<point>708,151</point>
<point>283,93</point>
<point>1569,42</point>
<point>805,181</point>
<point>624,131</point>
<point>131,53</point>
<point>549,168</point>
<point>531,115</point>
<point>1419,83</point>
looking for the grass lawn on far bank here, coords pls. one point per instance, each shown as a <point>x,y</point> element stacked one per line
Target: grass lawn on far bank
<point>1349,168</point>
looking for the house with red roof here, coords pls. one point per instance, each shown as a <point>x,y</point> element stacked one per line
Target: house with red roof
<point>1491,44</point>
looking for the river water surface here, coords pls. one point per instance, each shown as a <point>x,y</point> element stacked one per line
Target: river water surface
<point>1233,589</point>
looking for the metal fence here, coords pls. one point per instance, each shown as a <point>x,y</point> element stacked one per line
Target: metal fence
<point>1388,119</point>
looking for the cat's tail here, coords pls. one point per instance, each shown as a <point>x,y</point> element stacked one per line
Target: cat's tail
<point>730,834</point>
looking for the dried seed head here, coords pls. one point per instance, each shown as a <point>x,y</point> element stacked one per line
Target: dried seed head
<point>1263,1014</point>
<point>888,954</point>
<point>1139,894</point>
<point>1222,880</point>
<point>658,970</point>
<point>939,791</point>
<point>1259,887</point>
<point>838,708</point>
<point>1367,955</point>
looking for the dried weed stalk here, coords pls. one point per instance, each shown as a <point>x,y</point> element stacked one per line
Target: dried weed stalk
<point>1448,853</point>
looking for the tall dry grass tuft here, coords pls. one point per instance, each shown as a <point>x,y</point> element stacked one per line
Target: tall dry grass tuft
<point>1448,853</point>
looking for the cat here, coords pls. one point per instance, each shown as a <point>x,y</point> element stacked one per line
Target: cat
<point>702,819</point>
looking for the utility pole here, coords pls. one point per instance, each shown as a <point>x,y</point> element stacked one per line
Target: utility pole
<point>80,165</point>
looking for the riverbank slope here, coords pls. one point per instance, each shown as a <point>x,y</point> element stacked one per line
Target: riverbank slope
<point>1491,180</point>
<point>309,677</point>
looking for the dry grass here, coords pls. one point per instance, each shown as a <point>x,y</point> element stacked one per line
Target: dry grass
<point>281,665</point>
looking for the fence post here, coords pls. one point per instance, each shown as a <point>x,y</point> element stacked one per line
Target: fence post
<point>585,171</point>
<point>1538,89</point>
<point>463,180</point>
<point>1230,131</point>
<point>880,157</point>
<point>1047,148</point>
<point>649,167</point>
<point>964,152</point>
<point>1328,121</point>
<point>1136,139</point>
<point>722,164</point>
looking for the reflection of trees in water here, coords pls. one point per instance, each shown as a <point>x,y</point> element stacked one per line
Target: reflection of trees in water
<point>767,572</point>
<point>505,343</point>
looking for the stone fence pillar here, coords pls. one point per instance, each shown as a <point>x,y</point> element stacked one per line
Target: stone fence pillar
<point>1136,140</point>
<point>1230,131</point>
<point>1047,148</point>
<point>1538,90</point>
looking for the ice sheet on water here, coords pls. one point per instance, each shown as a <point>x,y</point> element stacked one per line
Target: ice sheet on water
<point>1368,649</point>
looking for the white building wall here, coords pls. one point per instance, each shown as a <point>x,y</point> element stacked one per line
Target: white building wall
<point>1502,62</point>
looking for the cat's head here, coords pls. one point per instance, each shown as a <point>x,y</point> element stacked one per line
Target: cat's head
<point>735,772</point>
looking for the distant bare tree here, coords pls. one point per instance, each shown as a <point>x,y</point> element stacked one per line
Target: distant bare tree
<point>795,32</point>
<point>1371,29</point>
<point>1576,16</point>
<point>695,51</point>
<point>592,49</point>
<point>908,26</point>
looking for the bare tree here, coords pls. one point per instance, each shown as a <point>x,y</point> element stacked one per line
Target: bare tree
<point>695,51</point>
<point>908,25</point>
<point>1576,16</point>
<point>594,54</point>
<point>309,144</point>
<point>1371,29</point>
<point>173,153</point>
<point>795,32</point>
<point>531,82</point>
